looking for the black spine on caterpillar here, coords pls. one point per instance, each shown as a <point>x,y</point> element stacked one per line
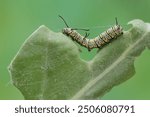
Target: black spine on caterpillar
<point>99,41</point>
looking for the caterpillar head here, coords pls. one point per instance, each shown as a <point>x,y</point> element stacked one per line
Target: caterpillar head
<point>66,31</point>
<point>118,29</point>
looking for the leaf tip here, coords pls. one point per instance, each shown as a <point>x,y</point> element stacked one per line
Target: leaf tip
<point>140,24</point>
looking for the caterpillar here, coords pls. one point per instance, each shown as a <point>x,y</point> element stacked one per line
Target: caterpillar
<point>98,42</point>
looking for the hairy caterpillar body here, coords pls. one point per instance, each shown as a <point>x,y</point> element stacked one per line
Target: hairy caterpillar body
<point>97,42</point>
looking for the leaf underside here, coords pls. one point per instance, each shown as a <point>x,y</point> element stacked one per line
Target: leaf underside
<point>48,65</point>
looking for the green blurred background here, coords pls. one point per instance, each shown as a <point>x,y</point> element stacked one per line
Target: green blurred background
<point>19,18</point>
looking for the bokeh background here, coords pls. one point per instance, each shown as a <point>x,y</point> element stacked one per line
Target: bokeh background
<point>19,18</point>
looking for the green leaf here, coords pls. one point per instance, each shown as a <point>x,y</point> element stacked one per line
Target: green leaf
<point>48,65</point>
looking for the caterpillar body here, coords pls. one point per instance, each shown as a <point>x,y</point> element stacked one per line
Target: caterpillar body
<point>97,42</point>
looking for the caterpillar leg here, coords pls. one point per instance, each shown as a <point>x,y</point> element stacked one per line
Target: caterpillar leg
<point>98,50</point>
<point>79,49</point>
<point>88,47</point>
